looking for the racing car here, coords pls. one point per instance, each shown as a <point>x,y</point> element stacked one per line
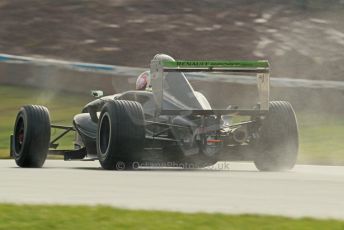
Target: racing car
<point>165,122</point>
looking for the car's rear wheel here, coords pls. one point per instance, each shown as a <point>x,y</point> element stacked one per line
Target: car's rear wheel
<point>31,136</point>
<point>277,145</point>
<point>120,134</point>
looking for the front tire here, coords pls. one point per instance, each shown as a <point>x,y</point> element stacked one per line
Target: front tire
<point>31,136</point>
<point>278,142</point>
<point>120,134</point>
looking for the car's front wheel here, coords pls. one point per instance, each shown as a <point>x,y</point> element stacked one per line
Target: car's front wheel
<point>31,136</point>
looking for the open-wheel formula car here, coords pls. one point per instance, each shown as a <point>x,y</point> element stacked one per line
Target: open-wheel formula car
<point>165,122</point>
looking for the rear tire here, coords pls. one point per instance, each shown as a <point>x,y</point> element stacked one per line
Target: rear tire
<point>120,134</point>
<point>31,136</point>
<point>278,142</point>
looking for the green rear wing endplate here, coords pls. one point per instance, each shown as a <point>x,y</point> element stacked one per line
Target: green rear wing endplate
<point>159,69</point>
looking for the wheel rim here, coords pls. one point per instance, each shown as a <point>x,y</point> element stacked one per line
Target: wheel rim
<point>19,135</point>
<point>104,134</point>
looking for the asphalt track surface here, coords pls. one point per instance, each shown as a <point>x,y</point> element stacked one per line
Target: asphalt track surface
<point>228,187</point>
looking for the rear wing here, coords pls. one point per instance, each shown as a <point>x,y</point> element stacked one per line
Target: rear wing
<point>159,69</point>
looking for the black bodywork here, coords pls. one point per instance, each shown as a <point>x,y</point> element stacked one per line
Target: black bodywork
<point>167,124</point>
<point>199,135</point>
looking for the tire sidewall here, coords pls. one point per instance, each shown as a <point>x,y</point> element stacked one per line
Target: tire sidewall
<point>103,156</point>
<point>19,156</point>
<point>20,116</point>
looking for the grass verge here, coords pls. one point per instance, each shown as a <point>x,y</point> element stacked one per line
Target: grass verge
<point>321,135</point>
<point>99,217</point>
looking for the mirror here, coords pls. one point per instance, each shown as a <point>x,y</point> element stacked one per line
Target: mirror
<point>97,93</point>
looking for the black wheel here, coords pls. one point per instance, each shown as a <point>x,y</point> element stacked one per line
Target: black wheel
<point>31,136</point>
<point>278,142</point>
<point>120,133</point>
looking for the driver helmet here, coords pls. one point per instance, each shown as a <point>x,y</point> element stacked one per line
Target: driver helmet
<point>143,81</point>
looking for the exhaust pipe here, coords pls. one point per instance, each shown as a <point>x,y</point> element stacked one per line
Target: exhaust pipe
<point>239,135</point>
